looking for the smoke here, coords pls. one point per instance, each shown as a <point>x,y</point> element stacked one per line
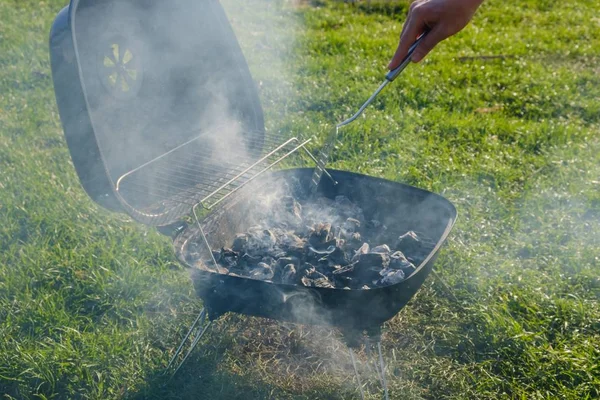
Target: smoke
<point>161,75</point>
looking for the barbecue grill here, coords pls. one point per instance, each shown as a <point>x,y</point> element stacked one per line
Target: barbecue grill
<point>163,121</point>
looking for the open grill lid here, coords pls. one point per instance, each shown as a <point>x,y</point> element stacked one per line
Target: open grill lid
<point>157,103</point>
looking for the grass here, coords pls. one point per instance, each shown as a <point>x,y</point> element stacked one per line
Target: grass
<point>92,304</point>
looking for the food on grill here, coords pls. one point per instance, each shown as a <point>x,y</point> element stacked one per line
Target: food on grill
<point>322,244</point>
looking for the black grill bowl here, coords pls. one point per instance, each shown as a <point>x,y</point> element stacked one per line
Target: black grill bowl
<point>400,207</point>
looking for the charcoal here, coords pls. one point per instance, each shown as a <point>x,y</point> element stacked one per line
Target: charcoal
<point>346,271</point>
<point>383,249</point>
<point>409,243</point>
<point>391,277</point>
<point>365,274</point>
<point>301,247</point>
<point>314,274</point>
<point>354,242</point>
<point>319,282</point>
<point>364,249</point>
<point>261,271</point>
<point>283,261</point>
<point>341,281</point>
<point>250,260</point>
<point>229,258</point>
<point>240,243</point>
<point>351,225</point>
<point>306,268</point>
<point>270,261</point>
<point>260,241</point>
<point>337,256</point>
<point>319,253</point>
<point>320,235</point>
<point>288,274</point>
<point>398,261</point>
<point>375,260</point>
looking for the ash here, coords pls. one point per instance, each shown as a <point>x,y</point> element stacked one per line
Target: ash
<point>318,243</point>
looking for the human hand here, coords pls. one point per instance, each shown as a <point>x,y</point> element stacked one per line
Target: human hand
<point>444,18</point>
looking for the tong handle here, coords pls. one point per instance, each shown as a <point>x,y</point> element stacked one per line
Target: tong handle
<point>393,74</point>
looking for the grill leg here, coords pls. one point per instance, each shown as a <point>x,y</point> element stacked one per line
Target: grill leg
<point>360,387</point>
<point>382,365</point>
<point>201,326</point>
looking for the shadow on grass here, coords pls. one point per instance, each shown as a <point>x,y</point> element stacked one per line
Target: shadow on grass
<point>208,374</point>
<point>201,378</point>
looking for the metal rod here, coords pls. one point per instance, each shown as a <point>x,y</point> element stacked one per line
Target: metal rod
<point>319,165</point>
<point>382,364</point>
<point>204,239</point>
<point>365,105</point>
<point>362,392</point>
<point>249,168</point>
<point>201,316</point>
<point>194,344</point>
<point>268,167</point>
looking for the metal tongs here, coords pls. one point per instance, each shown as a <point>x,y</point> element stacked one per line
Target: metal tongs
<point>389,77</point>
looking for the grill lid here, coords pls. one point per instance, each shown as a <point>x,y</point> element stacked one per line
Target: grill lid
<point>167,106</point>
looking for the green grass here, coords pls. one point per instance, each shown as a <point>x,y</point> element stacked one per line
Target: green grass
<point>93,304</point>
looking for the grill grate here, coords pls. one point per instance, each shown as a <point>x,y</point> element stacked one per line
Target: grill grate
<point>194,173</point>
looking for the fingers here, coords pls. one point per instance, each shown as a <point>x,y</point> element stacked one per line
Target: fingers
<point>408,31</point>
<point>429,42</point>
<point>412,28</point>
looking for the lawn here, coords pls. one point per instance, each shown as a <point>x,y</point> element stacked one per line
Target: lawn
<point>502,120</point>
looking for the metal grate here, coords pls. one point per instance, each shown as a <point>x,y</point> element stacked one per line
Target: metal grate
<point>194,173</point>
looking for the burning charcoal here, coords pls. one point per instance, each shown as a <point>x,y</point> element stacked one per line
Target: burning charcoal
<point>288,274</point>
<point>261,272</point>
<point>364,249</point>
<point>383,249</point>
<point>240,243</point>
<point>391,276</point>
<point>409,243</point>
